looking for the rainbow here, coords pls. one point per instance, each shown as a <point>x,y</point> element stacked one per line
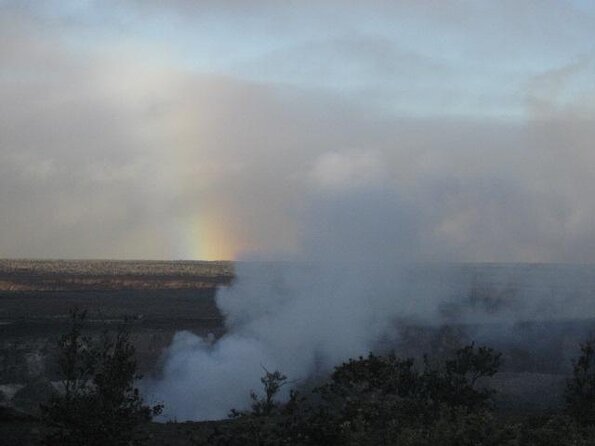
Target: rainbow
<point>205,237</point>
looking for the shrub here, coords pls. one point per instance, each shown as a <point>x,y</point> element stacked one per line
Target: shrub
<point>376,397</point>
<point>267,405</point>
<point>580,388</point>
<point>373,401</point>
<point>100,404</point>
<point>459,427</point>
<point>265,424</point>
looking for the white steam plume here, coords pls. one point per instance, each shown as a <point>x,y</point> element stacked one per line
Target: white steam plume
<point>303,318</point>
<point>300,318</point>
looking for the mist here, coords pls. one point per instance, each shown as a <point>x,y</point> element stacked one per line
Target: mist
<point>358,285</point>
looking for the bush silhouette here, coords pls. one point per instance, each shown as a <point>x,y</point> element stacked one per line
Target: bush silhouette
<point>371,401</point>
<point>100,404</point>
<point>580,388</point>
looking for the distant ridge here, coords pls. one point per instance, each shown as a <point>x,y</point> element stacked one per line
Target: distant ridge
<point>53,275</point>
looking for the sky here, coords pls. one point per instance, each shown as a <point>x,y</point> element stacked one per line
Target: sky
<point>432,130</point>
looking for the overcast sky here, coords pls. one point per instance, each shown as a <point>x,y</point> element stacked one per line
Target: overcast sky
<point>431,129</point>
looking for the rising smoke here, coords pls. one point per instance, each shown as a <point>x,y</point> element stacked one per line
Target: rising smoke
<point>301,317</point>
<point>358,283</point>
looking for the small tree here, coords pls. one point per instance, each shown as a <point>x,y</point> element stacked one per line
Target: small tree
<point>100,404</point>
<point>271,383</point>
<point>455,384</point>
<point>262,425</point>
<point>580,389</point>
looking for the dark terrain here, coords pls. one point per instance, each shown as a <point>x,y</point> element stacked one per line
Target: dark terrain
<point>161,298</point>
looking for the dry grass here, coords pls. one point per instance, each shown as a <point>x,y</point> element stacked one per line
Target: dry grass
<point>54,275</point>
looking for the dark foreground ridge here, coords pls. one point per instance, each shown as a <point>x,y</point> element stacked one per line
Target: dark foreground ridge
<point>161,298</point>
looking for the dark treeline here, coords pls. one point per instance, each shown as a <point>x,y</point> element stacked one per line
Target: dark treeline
<point>373,400</point>
<point>385,400</point>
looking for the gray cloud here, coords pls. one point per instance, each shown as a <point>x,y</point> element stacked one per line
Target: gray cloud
<point>115,150</point>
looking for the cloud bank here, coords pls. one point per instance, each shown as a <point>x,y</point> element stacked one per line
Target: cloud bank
<point>184,131</point>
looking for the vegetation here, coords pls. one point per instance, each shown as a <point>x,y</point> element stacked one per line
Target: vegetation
<point>386,400</point>
<point>374,400</point>
<point>100,404</point>
<point>580,390</point>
